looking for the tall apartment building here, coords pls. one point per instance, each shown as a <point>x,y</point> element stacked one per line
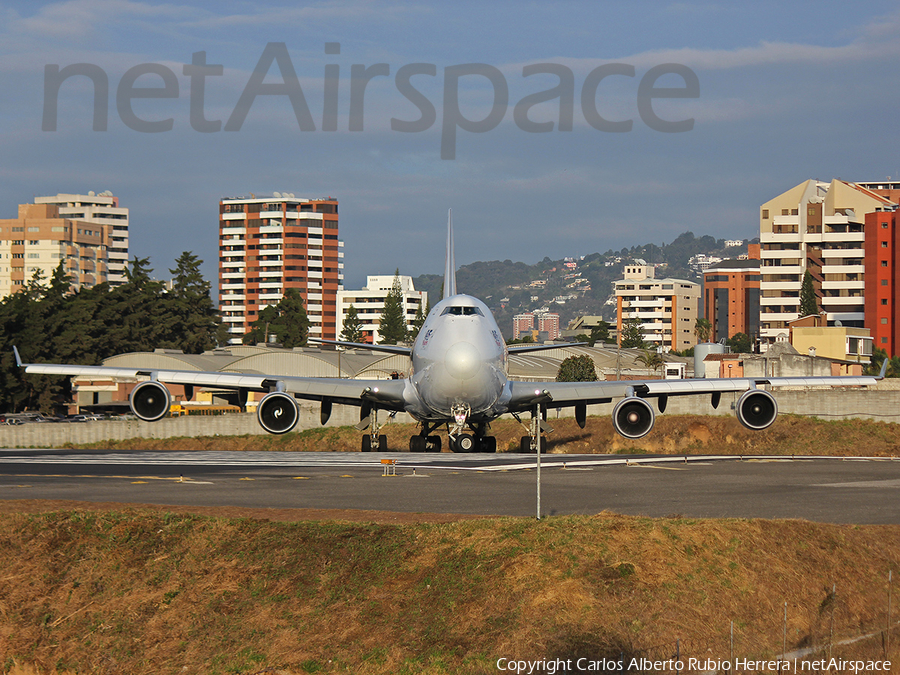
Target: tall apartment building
<point>666,308</point>
<point>369,303</point>
<point>523,324</point>
<point>39,239</point>
<point>101,209</point>
<point>731,296</point>
<point>819,227</point>
<point>882,311</point>
<point>547,323</point>
<point>270,244</point>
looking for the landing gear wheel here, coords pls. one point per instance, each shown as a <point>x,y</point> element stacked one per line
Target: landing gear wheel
<point>525,445</point>
<point>487,444</point>
<point>465,443</point>
<point>382,444</point>
<point>367,443</point>
<point>417,444</point>
<point>433,444</point>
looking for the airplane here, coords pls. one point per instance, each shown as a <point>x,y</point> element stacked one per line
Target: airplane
<point>458,379</point>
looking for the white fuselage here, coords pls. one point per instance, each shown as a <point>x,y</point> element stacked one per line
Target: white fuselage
<point>459,360</point>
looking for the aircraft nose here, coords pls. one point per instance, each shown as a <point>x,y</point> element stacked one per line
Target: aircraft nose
<point>463,360</point>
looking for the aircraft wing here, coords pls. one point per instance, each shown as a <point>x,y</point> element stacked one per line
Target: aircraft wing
<point>564,394</point>
<point>386,393</point>
<point>389,349</point>
<point>530,347</point>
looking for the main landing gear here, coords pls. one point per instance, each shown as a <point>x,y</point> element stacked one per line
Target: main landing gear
<point>372,441</point>
<point>459,439</point>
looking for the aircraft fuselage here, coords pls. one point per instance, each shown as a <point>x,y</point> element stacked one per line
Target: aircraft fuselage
<point>459,363</point>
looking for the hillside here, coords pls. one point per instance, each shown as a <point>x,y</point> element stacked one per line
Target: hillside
<point>151,591</point>
<point>582,287</point>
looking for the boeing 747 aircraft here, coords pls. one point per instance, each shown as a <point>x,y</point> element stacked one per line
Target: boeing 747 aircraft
<point>457,379</point>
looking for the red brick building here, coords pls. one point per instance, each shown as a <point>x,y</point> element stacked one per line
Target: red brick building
<point>882,247</point>
<point>270,244</point>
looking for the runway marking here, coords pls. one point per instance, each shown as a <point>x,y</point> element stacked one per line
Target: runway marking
<point>891,483</point>
<point>651,466</point>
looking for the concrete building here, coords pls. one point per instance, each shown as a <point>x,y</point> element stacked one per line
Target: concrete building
<point>819,227</point>
<point>523,324</point>
<point>101,209</point>
<point>666,308</point>
<point>882,298</point>
<point>731,297</point>
<point>39,239</point>
<point>369,303</point>
<point>547,326</point>
<point>812,336</point>
<point>270,244</point>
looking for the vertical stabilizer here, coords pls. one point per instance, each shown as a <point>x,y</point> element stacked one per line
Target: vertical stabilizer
<point>450,266</point>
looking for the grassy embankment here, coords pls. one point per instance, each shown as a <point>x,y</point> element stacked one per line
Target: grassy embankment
<point>672,434</point>
<point>143,592</point>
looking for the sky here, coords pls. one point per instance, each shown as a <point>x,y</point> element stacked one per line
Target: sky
<point>462,106</point>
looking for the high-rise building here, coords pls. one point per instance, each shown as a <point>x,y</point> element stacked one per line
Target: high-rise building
<point>816,227</point>
<point>39,239</point>
<point>102,209</point>
<point>548,323</point>
<point>369,303</point>
<point>731,297</point>
<point>666,308</point>
<point>523,324</point>
<point>882,304</point>
<point>270,244</point>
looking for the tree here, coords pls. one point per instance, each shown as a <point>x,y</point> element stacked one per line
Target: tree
<point>287,321</point>
<point>417,323</point>
<point>577,369</point>
<point>392,326</point>
<point>809,303</point>
<point>878,357</point>
<point>632,334</point>
<point>351,330</point>
<point>740,343</point>
<point>703,330</point>
<point>599,333</point>
<point>195,320</point>
<point>651,360</point>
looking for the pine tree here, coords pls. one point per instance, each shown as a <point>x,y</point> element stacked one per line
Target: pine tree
<point>392,326</point>
<point>351,331</point>
<point>809,303</point>
<point>632,334</point>
<point>195,320</point>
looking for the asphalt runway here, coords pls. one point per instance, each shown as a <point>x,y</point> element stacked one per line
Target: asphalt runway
<point>822,489</point>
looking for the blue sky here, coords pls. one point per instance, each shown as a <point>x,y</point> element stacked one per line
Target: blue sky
<point>786,93</point>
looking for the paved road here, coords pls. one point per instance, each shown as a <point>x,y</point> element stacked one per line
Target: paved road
<point>827,490</point>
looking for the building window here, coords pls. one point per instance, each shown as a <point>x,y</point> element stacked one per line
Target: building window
<point>884,341</point>
<point>884,226</point>
<point>884,282</point>
<point>884,244</point>
<point>884,321</point>
<point>884,302</point>
<point>765,214</point>
<point>884,263</point>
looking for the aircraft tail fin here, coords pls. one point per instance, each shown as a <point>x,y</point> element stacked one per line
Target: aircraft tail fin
<point>450,266</point>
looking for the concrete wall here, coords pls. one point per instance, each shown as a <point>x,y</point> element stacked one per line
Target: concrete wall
<point>879,403</point>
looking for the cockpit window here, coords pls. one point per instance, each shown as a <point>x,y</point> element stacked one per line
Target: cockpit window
<point>462,311</point>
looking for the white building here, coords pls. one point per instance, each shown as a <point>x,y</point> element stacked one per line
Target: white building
<point>101,209</point>
<point>666,308</point>
<point>369,303</point>
<point>817,227</point>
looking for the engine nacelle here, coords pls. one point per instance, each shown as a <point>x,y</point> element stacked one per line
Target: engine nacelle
<point>633,417</point>
<point>150,401</point>
<point>756,409</point>
<point>277,412</point>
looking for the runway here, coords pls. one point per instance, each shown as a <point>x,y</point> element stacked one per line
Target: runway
<point>856,490</point>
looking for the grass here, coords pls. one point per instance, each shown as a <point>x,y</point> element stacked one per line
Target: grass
<point>672,434</point>
<point>144,592</point>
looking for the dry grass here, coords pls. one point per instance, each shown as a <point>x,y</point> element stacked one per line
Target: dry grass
<point>149,592</point>
<point>673,434</point>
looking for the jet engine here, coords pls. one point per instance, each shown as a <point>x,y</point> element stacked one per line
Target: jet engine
<point>756,409</point>
<point>277,412</point>
<point>150,401</point>
<point>633,417</point>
